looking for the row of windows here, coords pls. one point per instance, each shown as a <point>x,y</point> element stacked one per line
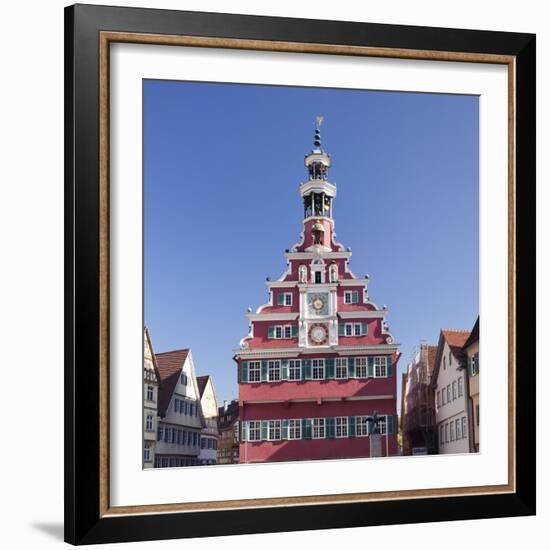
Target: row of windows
<point>453,431</point>
<point>350,297</point>
<point>316,369</point>
<point>209,443</point>
<point>149,374</point>
<point>282,331</point>
<point>185,406</point>
<point>452,392</point>
<point>175,461</point>
<point>315,428</point>
<point>177,436</point>
<point>353,329</point>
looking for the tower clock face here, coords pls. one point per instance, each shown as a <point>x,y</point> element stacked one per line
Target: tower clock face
<point>318,303</point>
<point>318,334</point>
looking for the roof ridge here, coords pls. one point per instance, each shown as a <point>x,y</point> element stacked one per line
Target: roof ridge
<point>171,351</point>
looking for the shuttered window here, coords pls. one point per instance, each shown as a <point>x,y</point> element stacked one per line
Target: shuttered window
<point>341,367</point>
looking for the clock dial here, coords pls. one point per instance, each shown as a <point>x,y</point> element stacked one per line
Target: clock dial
<point>318,303</point>
<point>318,334</point>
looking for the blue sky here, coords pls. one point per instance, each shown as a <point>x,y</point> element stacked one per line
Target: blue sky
<point>222,166</point>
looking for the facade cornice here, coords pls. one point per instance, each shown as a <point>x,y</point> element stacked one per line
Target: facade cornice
<point>273,316</point>
<point>322,400</point>
<point>281,284</point>
<point>290,353</point>
<point>368,314</point>
<point>311,255</point>
<point>353,282</point>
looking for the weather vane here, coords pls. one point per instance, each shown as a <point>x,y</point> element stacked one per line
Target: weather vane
<point>319,121</point>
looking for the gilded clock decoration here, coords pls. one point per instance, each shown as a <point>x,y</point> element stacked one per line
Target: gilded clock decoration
<point>318,334</point>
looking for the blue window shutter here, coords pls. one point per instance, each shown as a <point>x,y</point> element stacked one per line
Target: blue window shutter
<point>280,299</point>
<point>294,331</point>
<point>351,426</point>
<point>271,332</point>
<point>351,367</point>
<point>284,428</point>
<point>364,329</point>
<point>263,430</point>
<point>244,371</point>
<point>370,366</point>
<point>389,424</point>
<point>329,365</point>
<point>284,369</point>
<point>264,371</point>
<point>389,365</point>
<point>341,329</point>
<point>306,369</point>
<point>331,427</point>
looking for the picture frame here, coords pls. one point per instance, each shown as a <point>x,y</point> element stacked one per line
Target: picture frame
<point>89,33</point>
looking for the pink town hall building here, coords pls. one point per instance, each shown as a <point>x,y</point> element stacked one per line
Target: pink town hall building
<point>319,360</point>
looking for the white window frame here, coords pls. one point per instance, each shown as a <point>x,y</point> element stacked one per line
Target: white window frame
<point>273,366</point>
<point>362,426</point>
<point>380,369</point>
<point>357,332</point>
<point>454,390</point>
<point>255,368</point>
<point>319,427</point>
<point>361,363</point>
<point>295,428</point>
<point>274,430</point>
<point>149,423</point>
<point>287,300</point>
<point>383,424</point>
<point>295,366</point>
<point>464,428</point>
<point>348,329</point>
<point>150,393</point>
<point>147,452</point>
<point>342,364</point>
<point>341,427</point>
<point>289,329</point>
<point>317,364</point>
<point>460,388</point>
<point>348,295</point>
<point>278,332</point>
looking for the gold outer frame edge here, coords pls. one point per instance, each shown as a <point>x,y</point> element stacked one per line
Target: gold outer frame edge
<point>105,39</point>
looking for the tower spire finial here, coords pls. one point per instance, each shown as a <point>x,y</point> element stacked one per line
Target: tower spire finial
<point>317,140</point>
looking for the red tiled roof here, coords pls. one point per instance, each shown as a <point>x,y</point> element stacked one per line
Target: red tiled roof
<point>169,365</point>
<point>201,383</point>
<point>432,352</point>
<point>456,339</point>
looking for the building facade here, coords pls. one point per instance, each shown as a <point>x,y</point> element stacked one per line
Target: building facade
<point>418,407</point>
<point>150,401</point>
<point>319,359</point>
<point>450,380</point>
<point>180,416</point>
<point>210,433</point>
<point>471,350</point>
<point>228,422</point>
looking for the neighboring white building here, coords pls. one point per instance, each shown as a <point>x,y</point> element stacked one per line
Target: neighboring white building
<point>180,415</point>
<point>451,393</point>
<point>210,433</point>
<point>150,401</point>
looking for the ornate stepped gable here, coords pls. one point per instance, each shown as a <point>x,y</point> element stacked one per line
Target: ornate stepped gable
<point>319,357</point>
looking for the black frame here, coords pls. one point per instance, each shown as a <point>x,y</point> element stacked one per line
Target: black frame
<point>83,524</point>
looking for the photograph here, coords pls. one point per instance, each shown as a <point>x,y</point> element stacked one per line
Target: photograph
<point>264,340</point>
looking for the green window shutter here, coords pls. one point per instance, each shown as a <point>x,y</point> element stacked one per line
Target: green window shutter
<point>351,367</point>
<point>284,428</point>
<point>341,329</point>
<point>263,430</point>
<point>331,427</point>
<point>370,366</point>
<point>355,297</point>
<point>306,369</point>
<point>280,299</point>
<point>245,430</point>
<point>329,368</point>
<point>389,365</point>
<point>271,332</point>
<point>351,426</point>
<point>294,332</point>
<point>264,371</point>
<point>477,362</point>
<point>307,428</point>
<point>284,369</point>
<point>244,371</point>
<point>364,329</point>
<point>389,424</point>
